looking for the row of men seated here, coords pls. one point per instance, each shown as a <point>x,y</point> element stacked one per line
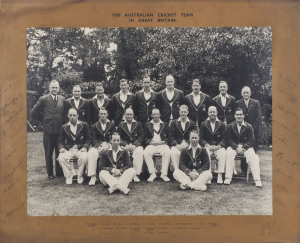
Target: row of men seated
<point>52,108</point>
<point>74,141</point>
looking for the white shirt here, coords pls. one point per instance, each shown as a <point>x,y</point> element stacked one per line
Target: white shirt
<point>223,99</point>
<point>170,95</point>
<point>115,153</point>
<point>103,126</point>
<point>73,128</point>
<point>100,102</point>
<point>196,99</point>
<point>156,126</point>
<point>76,102</point>
<point>183,125</point>
<point>213,125</point>
<point>194,150</point>
<point>240,126</point>
<point>123,96</point>
<point>147,95</point>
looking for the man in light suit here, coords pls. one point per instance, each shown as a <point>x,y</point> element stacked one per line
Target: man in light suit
<point>193,169</point>
<point>74,141</point>
<point>198,103</point>
<point>121,101</point>
<point>50,110</point>
<point>146,101</point>
<point>101,133</point>
<point>115,167</point>
<point>132,138</point>
<point>97,102</point>
<point>252,112</point>
<point>225,104</point>
<point>80,104</point>
<point>240,142</point>
<point>213,138</point>
<point>169,100</point>
<point>156,139</point>
<point>179,134</point>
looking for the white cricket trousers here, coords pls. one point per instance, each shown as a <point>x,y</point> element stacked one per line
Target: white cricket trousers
<point>107,179</point>
<point>202,179</point>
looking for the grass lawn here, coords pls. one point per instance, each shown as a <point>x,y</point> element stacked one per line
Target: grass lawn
<point>53,197</point>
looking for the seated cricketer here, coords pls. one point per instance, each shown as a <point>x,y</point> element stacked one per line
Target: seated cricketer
<point>241,142</point>
<point>179,134</point>
<point>101,133</point>
<point>213,138</point>
<point>74,141</point>
<point>115,167</point>
<point>193,169</point>
<point>156,139</point>
<point>132,137</point>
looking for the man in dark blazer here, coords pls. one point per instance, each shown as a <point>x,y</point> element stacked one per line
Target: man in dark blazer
<point>179,134</point>
<point>101,132</point>
<point>132,138</point>
<point>74,142</point>
<point>115,167</point>
<point>98,101</point>
<point>169,100</point>
<point>146,101</point>
<point>156,139</point>
<point>225,104</point>
<point>240,142</point>
<point>213,138</point>
<point>50,110</point>
<point>121,101</point>
<point>198,103</point>
<point>80,104</point>
<point>194,166</point>
<point>252,112</point>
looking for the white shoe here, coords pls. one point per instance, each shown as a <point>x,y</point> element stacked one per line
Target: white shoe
<point>69,180</point>
<point>220,179</point>
<point>92,181</point>
<point>227,181</point>
<point>165,178</point>
<point>136,179</point>
<point>258,184</point>
<point>209,182</point>
<point>112,189</point>
<point>123,189</point>
<point>202,188</point>
<point>79,179</point>
<point>183,186</point>
<point>152,177</point>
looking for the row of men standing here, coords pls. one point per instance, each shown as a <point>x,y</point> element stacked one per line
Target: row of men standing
<point>53,108</point>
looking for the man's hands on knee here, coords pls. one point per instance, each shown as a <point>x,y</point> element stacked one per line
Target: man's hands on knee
<point>62,150</point>
<point>194,175</point>
<point>83,150</point>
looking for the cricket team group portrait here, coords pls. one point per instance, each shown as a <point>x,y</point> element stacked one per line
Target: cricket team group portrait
<point>149,121</point>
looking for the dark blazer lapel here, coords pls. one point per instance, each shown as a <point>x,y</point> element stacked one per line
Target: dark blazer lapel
<point>178,124</point>
<point>81,102</point>
<point>187,125</point>
<point>107,127</point>
<point>128,98</point>
<point>99,127</point>
<point>250,105</point>
<point>51,101</point>
<point>94,101</point>
<point>176,93</point>
<point>164,95</point>
<point>235,129</point>
<point>125,128</point>
<point>151,129</point>
<point>119,154</point>
<point>191,98</point>
<point>219,101</point>
<point>202,97</point>
<point>72,103</point>
<point>190,153</point>
<point>133,126</point>
<point>111,158</point>
<point>243,128</point>
<point>161,127</point>
<point>218,124</point>
<point>207,124</point>
<point>119,99</point>
<point>228,99</point>
<point>79,128</point>
<point>68,132</point>
<point>198,151</point>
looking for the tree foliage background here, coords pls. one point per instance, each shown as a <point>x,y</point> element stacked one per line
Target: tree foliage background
<point>240,56</point>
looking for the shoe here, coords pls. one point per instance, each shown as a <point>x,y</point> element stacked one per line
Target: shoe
<point>183,186</point>
<point>227,181</point>
<point>165,178</point>
<point>258,184</point>
<point>202,188</point>
<point>69,180</point>
<point>92,181</point>
<point>136,179</point>
<point>79,179</point>
<point>112,189</point>
<point>209,182</point>
<point>51,176</point>
<point>220,179</point>
<point>123,189</point>
<point>152,177</point>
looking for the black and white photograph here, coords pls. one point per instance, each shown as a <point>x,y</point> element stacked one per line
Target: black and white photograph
<point>149,121</point>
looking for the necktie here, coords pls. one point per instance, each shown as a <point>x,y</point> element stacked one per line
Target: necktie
<point>55,98</point>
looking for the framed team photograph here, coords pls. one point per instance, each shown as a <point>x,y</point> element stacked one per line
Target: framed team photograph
<point>149,121</point>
